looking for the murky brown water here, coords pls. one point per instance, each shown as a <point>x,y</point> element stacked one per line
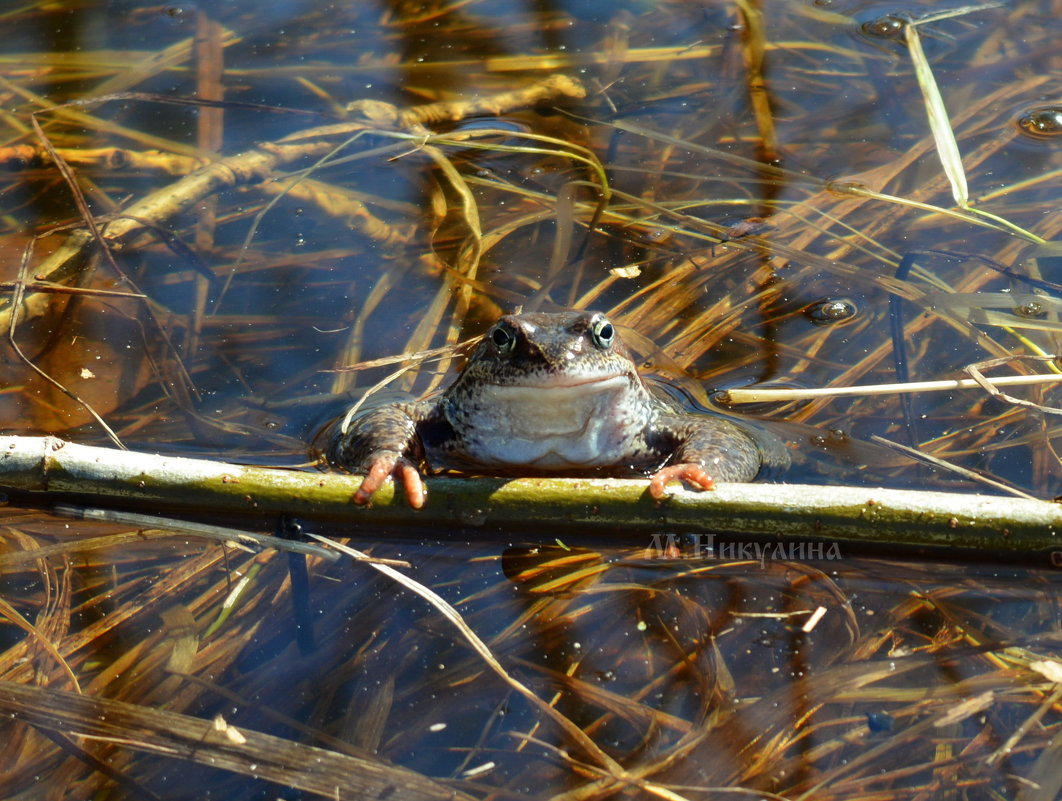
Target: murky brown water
<point>756,197</point>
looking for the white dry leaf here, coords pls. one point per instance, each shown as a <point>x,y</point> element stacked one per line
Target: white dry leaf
<point>1049,669</point>
<point>630,271</point>
<point>232,734</point>
<point>965,709</point>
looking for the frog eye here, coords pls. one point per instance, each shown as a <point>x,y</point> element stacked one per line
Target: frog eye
<point>602,332</point>
<point>504,339</point>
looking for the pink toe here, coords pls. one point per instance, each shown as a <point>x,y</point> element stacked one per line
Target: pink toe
<point>693,474</point>
<point>384,467</point>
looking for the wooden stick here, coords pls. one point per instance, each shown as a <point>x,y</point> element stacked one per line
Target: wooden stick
<point>551,508</point>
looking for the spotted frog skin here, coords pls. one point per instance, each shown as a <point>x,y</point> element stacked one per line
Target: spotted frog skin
<point>549,394</point>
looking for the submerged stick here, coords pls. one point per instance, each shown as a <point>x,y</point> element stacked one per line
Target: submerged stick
<point>218,744</point>
<point>543,507</point>
<point>247,539</point>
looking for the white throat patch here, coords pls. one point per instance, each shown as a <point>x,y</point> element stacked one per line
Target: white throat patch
<point>556,427</point>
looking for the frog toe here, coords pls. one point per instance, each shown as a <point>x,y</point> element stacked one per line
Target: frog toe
<point>693,474</point>
<point>416,492</point>
<point>384,466</point>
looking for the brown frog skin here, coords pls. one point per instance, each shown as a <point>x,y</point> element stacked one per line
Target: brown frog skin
<point>550,395</point>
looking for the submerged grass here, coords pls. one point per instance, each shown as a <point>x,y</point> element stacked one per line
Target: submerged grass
<point>743,188</point>
<point>802,684</point>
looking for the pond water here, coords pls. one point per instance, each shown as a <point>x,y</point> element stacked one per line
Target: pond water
<point>753,192</point>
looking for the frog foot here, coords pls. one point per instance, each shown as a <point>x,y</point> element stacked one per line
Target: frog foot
<point>694,474</point>
<point>385,465</point>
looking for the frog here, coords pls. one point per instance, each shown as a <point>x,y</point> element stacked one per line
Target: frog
<point>550,394</point>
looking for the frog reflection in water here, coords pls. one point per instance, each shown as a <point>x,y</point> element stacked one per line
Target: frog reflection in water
<point>550,395</point>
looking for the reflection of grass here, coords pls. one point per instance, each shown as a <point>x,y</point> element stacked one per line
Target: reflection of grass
<point>721,176</point>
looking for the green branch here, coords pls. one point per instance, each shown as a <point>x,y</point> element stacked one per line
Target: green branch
<point>555,508</point>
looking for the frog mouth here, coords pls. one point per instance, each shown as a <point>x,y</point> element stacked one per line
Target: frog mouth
<point>551,382</point>
<point>538,411</point>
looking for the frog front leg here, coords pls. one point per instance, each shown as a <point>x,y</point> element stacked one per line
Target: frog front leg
<point>382,445</point>
<point>706,450</point>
